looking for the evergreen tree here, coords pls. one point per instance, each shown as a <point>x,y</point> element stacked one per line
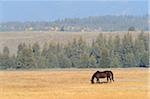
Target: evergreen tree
<point>117,44</point>
<point>21,46</point>
<point>37,54</point>
<point>101,41</point>
<point>145,39</point>
<point>144,62</point>
<point>52,60</point>
<point>115,62</point>
<point>84,61</point>
<point>127,43</point>
<point>36,49</point>
<point>25,59</point>
<point>130,60</point>
<point>5,58</point>
<point>92,62</point>
<point>105,60</point>
<point>6,52</point>
<point>138,51</point>
<point>64,62</point>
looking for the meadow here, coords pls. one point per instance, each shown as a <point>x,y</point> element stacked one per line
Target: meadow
<point>130,83</point>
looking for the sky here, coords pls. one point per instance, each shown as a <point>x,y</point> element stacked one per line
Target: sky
<point>53,10</point>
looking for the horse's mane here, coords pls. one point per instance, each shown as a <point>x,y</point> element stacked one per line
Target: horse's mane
<point>97,72</point>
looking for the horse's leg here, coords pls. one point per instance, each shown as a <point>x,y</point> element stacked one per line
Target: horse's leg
<point>107,79</point>
<point>97,80</point>
<point>110,78</point>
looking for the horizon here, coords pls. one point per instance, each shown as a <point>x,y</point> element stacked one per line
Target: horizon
<point>22,11</point>
<point>73,18</point>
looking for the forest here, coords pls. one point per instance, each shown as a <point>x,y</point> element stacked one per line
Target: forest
<point>103,52</point>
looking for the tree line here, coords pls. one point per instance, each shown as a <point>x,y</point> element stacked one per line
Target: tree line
<point>93,23</point>
<point>103,52</point>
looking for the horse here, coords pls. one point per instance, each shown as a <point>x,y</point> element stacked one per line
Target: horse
<point>104,74</point>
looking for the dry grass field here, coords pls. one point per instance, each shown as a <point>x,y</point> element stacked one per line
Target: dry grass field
<point>73,84</point>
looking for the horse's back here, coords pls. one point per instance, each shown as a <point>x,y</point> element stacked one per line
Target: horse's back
<point>108,71</point>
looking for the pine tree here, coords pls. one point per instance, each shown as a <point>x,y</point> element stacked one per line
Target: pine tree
<point>6,52</point>
<point>144,62</point>
<point>105,60</point>
<point>52,60</point>
<point>101,41</point>
<point>64,62</point>
<point>92,62</point>
<point>37,54</point>
<point>44,52</point>
<point>144,38</point>
<point>115,62</point>
<point>36,49</point>
<point>21,46</point>
<point>5,58</point>
<point>84,61</point>
<point>129,60</point>
<point>13,61</point>
<point>127,43</point>
<point>138,50</point>
<point>117,44</point>
<point>25,59</point>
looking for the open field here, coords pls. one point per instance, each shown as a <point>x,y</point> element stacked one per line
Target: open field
<point>13,39</point>
<point>73,84</point>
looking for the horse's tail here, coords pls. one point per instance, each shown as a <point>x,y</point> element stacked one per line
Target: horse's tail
<point>112,76</point>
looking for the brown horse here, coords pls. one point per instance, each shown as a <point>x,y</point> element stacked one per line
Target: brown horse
<point>103,74</point>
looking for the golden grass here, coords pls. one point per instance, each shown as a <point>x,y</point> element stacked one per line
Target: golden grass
<point>73,84</point>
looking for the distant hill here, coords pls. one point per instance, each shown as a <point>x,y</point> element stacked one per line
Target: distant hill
<point>94,23</point>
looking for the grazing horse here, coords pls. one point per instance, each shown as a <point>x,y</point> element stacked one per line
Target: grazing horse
<point>103,74</point>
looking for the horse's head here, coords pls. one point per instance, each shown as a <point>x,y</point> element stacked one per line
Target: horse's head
<point>94,75</point>
<point>92,81</point>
